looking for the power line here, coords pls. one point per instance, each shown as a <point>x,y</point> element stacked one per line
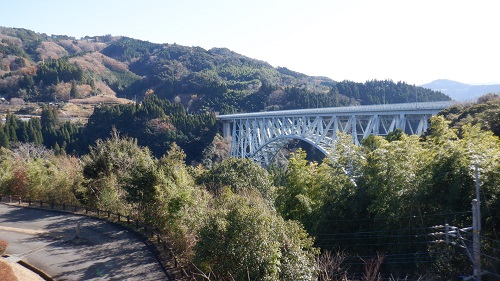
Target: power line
<point>489,239</point>
<point>371,244</point>
<point>488,256</point>
<point>375,231</point>
<point>398,218</point>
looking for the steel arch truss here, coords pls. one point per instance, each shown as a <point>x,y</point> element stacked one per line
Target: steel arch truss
<point>261,135</point>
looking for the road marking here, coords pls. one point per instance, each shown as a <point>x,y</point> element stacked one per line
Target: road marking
<point>23,230</point>
<point>34,250</point>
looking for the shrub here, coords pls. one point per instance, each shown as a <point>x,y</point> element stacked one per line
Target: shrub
<point>3,246</point>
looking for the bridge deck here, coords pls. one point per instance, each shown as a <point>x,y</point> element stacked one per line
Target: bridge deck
<point>368,109</point>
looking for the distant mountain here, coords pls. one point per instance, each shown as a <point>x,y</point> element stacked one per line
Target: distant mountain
<point>460,91</point>
<point>39,67</point>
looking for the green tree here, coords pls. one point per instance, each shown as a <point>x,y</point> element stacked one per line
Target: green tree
<point>22,132</point>
<point>395,135</point>
<point>297,200</point>
<point>35,131</point>
<point>372,142</point>
<point>179,206</point>
<point>73,93</point>
<point>11,127</point>
<point>119,175</point>
<point>314,194</point>
<point>392,176</point>
<point>240,175</point>
<point>243,238</point>
<point>48,118</point>
<point>4,138</point>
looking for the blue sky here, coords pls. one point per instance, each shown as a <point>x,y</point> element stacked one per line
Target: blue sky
<point>415,41</point>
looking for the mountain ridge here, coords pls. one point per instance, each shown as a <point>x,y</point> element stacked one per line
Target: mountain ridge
<point>462,91</point>
<point>38,67</point>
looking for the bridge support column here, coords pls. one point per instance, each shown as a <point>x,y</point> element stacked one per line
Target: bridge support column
<point>226,129</point>
<point>402,122</point>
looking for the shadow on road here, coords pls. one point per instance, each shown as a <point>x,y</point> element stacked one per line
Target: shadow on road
<point>102,251</point>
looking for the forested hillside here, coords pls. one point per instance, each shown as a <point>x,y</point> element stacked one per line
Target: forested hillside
<point>38,67</point>
<point>155,123</point>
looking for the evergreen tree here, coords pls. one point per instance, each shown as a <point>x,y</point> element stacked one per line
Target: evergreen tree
<point>48,118</point>
<point>22,132</point>
<point>11,126</point>
<point>35,131</point>
<point>73,93</point>
<point>4,138</point>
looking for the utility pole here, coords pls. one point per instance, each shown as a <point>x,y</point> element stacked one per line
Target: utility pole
<point>476,244</point>
<point>474,254</point>
<point>476,230</point>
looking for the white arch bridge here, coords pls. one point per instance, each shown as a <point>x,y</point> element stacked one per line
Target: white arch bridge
<point>260,135</point>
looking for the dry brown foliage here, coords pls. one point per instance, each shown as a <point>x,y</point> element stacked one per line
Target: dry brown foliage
<point>76,112</point>
<point>62,91</point>
<point>161,126</point>
<point>99,64</point>
<point>5,63</point>
<point>14,40</point>
<point>372,268</point>
<point>105,99</point>
<point>90,46</point>
<point>114,64</point>
<point>91,62</point>
<point>28,70</point>
<point>70,46</point>
<point>3,246</point>
<point>51,50</point>
<point>331,266</point>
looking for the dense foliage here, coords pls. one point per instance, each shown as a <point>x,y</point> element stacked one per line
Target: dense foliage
<point>46,130</point>
<point>121,176</point>
<point>378,202</point>
<point>401,189</point>
<point>156,123</point>
<point>485,112</point>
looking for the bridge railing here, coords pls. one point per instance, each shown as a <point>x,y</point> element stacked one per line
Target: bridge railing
<point>171,264</point>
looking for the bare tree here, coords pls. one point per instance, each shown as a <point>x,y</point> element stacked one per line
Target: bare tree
<point>372,268</point>
<point>28,151</point>
<point>331,266</point>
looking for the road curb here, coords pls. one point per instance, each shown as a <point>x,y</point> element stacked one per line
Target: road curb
<point>36,270</point>
<point>32,268</point>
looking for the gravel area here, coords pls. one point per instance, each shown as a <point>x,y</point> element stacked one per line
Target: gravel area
<point>21,272</point>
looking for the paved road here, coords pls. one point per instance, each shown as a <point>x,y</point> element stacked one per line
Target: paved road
<point>104,251</point>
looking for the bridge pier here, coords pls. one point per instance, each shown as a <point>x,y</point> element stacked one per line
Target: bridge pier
<point>226,129</point>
